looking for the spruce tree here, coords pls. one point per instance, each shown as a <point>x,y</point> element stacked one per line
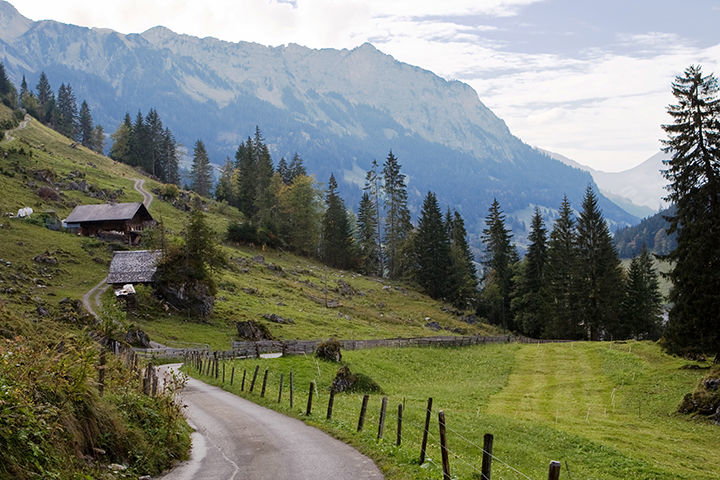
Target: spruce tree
<point>98,139</point>
<point>367,233</point>
<point>462,289</point>
<point>642,305</point>
<point>66,118</point>
<point>85,126</point>
<point>432,250</point>
<point>46,98</point>
<point>153,154</point>
<point>246,166</point>
<point>169,172</point>
<point>296,168</point>
<point>397,216</point>
<point>120,150</point>
<point>499,258</point>
<point>562,277</point>
<point>201,173</point>
<point>530,296</point>
<point>336,247</point>
<point>265,201</point>
<point>694,176</point>
<point>8,93</point>
<point>224,190</point>
<point>301,215</point>
<point>600,280</point>
<point>284,171</point>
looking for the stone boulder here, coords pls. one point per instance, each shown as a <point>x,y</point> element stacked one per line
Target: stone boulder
<point>254,331</point>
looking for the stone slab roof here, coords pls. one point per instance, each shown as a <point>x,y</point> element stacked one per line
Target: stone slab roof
<point>137,266</point>
<point>104,212</point>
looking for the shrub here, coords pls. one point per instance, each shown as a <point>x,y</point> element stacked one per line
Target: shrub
<point>329,350</point>
<point>346,381</point>
<point>48,194</point>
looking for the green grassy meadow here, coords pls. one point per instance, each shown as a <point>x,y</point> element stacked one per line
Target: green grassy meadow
<point>605,410</point>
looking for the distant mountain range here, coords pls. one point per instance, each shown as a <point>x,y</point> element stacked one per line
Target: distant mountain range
<point>638,190</point>
<point>339,109</point>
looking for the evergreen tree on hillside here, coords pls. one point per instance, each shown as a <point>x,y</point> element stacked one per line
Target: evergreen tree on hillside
<point>374,188</point>
<point>397,216</point>
<point>462,289</point>
<point>296,168</point>
<point>246,167</point>
<point>201,174</point>
<point>46,98</point>
<point>224,190</point>
<point>85,124</point>
<point>367,232</point>
<point>66,113</point>
<point>284,171</point>
<point>642,306</point>
<point>499,258</point>
<point>694,176</point>
<point>600,280</point>
<point>153,152</point>
<point>23,86</point>
<point>336,247</point>
<point>561,277</point>
<point>265,200</point>
<point>529,303</point>
<point>300,205</point>
<point>432,250</point>
<point>8,93</point>
<point>169,159</point>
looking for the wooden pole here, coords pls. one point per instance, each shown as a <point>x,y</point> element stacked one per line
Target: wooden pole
<point>331,401</point>
<point>381,421</point>
<point>232,374</point>
<point>242,385</point>
<point>101,372</point>
<point>398,440</point>
<point>363,411</point>
<point>262,391</point>
<point>254,379</point>
<point>486,470</point>
<point>292,389</point>
<point>223,374</point>
<point>423,446</point>
<point>280,388</point>
<point>554,472</point>
<point>308,410</point>
<point>443,447</point>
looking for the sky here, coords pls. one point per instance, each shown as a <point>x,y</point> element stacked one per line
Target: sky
<point>588,79</point>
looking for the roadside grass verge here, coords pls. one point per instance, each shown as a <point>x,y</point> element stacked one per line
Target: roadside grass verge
<point>577,403</point>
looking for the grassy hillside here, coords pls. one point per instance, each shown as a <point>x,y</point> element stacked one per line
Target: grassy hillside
<point>606,410</point>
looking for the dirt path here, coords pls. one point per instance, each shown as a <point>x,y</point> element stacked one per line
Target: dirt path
<point>140,187</point>
<point>236,439</point>
<point>91,300</point>
<point>8,135</point>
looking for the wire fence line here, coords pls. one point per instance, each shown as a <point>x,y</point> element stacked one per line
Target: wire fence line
<point>346,408</point>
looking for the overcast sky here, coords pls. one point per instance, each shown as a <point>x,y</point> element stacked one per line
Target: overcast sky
<point>589,79</point>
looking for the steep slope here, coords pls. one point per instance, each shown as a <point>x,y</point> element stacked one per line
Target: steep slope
<point>339,108</point>
<point>638,190</point>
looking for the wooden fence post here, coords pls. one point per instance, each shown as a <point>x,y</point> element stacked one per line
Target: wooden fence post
<point>381,421</point>
<point>363,410</point>
<point>262,391</point>
<point>443,447</point>
<point>101,372</point>
<point>292,389</point>
<point>254,379</point>
<point>232,374</point>
<point>308,410</point>
<point>423,446</point>
<point>554,472</point>
<point>398,441</point>
<point>280,387</point>
<point>223,374</point>
<point>242,386</point>
<point>331,401</point>
<point>487,457</point>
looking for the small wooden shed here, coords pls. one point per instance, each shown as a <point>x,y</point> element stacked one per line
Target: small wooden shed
<point>133,267</point>
<point>128,219</point>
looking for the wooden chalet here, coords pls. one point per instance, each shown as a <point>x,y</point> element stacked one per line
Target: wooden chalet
<point>127,219</point>
<point>133,267</point>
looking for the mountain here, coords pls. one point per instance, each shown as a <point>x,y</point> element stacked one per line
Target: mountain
<point>638,190</point>
<point>651,233</point>
<point>339,109</point>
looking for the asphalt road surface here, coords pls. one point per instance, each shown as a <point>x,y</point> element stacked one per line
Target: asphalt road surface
<point>236,439</point>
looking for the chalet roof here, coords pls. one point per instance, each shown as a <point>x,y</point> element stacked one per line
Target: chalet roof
<point>104,212</point>
<point>137,266</point>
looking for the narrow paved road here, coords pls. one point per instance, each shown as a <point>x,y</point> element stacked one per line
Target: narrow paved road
<point>140,187</point>
<point>239,440</point>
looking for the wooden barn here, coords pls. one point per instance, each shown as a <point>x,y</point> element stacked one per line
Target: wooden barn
<point>133,267</point>
<point>127,219</point>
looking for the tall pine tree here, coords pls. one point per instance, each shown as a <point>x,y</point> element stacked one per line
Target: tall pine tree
<point>600,280</point>
<point>499,259</point>
<point>368,241</point>
<point>642,305</point>
<point>397,215</point>
<point>694,176</point>
<point>529,303</point>
<point>462,289</point>
<point>66,113</point>
<point>432,250</point>
<point>86,128</point>
<point>201,173</point>
<point>336,247</point>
